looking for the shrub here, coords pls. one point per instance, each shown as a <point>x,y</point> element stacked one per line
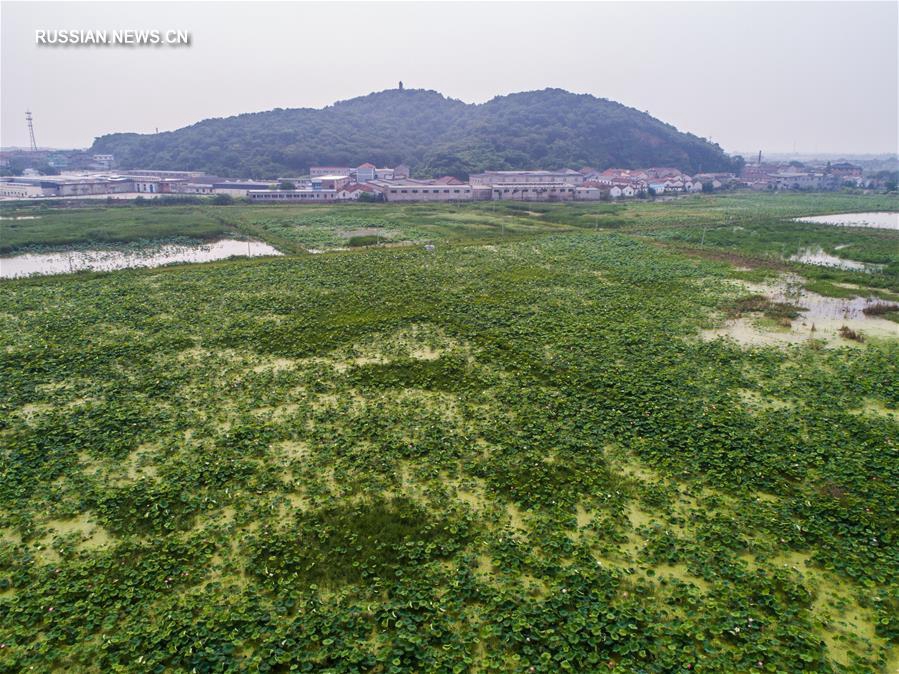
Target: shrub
<point>359,241</point>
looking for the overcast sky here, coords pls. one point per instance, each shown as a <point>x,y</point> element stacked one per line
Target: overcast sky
<point>805,76</point>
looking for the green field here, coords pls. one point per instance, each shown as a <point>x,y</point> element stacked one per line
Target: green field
<point>749,224</point>
<point>293,228</point>
<point>518,452</point>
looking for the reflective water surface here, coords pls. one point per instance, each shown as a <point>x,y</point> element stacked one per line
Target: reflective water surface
<point>820,317</point>
<point>878,220</point>
<point>27,264</point>
<point>818,257</point>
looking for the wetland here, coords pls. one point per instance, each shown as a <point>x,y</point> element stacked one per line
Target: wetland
<point>523,441</point>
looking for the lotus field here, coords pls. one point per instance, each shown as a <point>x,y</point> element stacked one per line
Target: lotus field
<point>529,447</point>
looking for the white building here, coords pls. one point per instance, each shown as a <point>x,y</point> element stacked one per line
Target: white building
<point>625,189</point>
<point>587,193</point>
<point>565,176</point>
<point>365,172</point>
<point>329,182</point>
<point>318,171</point>
<point>103,161</point>
<point>196,188</point>
<point>421,190</point>
<point>287,196</point>
<point>796,180</point>
<point>21,190</point>
<point>533,192</point>
<point>238,189</point>
<point>154,185</point>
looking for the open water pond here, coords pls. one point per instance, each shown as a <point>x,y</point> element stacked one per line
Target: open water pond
<point>65,262</point>
<point>877,220</point>
<point>818,257</point>
<point>820,307</point>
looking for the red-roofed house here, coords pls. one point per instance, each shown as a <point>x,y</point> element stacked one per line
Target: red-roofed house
<point>353,191</point>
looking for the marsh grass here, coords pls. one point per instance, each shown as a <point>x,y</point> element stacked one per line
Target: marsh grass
<point>780,312</point>
<point>881,309</point>
<point>62,227</point>
<point>848,333</point>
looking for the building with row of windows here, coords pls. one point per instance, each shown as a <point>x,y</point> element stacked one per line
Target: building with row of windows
<point>562,177</point>
<point>537,185</point>
<point>287,196</point>
<point>423,190</point>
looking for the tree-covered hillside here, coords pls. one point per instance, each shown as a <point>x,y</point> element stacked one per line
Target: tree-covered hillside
<point>435,135</point>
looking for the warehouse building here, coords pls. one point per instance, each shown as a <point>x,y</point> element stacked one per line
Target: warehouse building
<point>534,192</point>
<point>287,196</point>
<point>562,177</point>
<point>238,189</point>
<point>421,190</point>
<point>21,190</point>
<point>68,186</point>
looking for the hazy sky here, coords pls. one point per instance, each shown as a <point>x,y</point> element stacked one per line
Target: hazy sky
<point>809,76</point>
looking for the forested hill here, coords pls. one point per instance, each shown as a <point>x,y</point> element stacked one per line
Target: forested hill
<point>433,134</point>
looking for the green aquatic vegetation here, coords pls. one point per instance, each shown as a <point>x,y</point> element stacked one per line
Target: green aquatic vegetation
<point>759,231</point>
<point>366,240</point>
<point>505,457</point>
<point>354,543</point>
<point>442,374</point>
<point>63,226</point>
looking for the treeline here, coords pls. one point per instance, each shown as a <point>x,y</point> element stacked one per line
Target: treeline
<point>433,134</point>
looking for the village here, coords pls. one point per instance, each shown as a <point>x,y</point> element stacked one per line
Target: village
<point>367,182</point>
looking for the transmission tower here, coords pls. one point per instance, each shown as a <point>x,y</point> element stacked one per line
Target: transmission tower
<point>30,130</point>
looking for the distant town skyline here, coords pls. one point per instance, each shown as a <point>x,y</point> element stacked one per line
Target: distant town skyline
<point>807,78</point>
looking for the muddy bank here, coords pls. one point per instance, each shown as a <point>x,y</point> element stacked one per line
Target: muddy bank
<point>819,318</point>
